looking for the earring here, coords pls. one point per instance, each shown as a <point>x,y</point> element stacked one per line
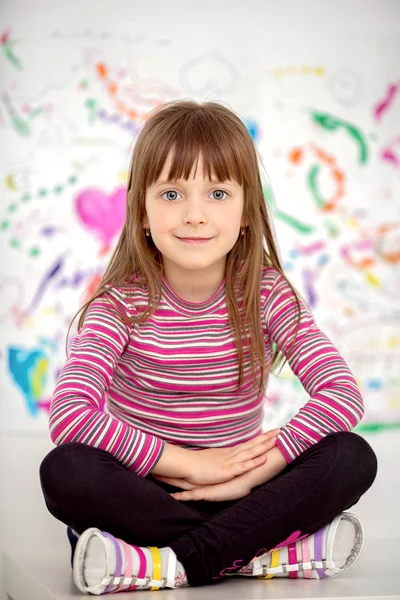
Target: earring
<point>243,230</point>
<point>147,232</point>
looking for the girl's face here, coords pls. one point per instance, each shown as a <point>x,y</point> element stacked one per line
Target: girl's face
<point>196,208</point>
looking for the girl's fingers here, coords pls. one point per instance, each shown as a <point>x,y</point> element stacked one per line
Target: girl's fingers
<point>254,451</point>
<point>195,494</point>
<point>264,437</point>
<point>186,485</point>
<point>248,451</point>
<point>244,466</point>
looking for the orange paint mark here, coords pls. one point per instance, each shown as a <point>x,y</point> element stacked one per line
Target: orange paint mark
<point>112,88</point>
<point>387,227</point>
<point>337,175</point>
<point>366,262</point>
<point>392,257</point>
<point>102,70</point>
<point>324,156</point>
<point>296,155</point>
<point>328,207</point>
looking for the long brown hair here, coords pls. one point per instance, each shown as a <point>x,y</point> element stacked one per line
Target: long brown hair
<point>189,128</point>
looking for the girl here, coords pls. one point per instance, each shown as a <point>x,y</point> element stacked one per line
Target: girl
<point>171,482</point>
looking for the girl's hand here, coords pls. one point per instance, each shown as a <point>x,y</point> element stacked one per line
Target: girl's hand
<point>229,490</point>
<point>216,465</point>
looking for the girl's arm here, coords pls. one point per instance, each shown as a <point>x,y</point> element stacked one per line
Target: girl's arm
<point>75,414</point>
<point>335,402</point>
<point>276,462</point>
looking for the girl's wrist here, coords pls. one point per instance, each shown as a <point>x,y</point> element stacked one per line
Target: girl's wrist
<point>174,462</point>
<point>275,463</point>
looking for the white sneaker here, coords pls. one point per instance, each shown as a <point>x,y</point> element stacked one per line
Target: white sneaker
<point>325,553</point>
<point>104,564</point>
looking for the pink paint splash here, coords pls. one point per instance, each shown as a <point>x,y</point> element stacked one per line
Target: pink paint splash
<point>390,155</point>
<point>315,247</point>
<point>385,104</point>
<point>102,213</point>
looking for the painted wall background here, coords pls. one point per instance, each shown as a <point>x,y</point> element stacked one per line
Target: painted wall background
<point>318,88</point>
<point>320,94</point>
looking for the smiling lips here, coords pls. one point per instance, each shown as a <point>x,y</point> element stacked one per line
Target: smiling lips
<point>194,240</point>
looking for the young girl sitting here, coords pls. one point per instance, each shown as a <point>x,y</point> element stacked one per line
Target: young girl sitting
<point>161,470</point>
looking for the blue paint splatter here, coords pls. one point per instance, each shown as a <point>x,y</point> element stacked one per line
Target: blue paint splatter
<point>323,259</point>
<point>374,384</point>
<point>252,128</point>
<point>29,369</point>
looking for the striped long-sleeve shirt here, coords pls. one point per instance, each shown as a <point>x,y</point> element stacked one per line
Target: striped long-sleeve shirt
<point>129,389</point>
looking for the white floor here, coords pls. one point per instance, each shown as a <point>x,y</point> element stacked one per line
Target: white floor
<point>28,576</point>
<point>36,550</point>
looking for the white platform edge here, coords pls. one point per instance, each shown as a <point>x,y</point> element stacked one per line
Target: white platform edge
<point>21,584</point>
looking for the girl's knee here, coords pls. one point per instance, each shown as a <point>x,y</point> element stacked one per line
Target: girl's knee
<point>55,468</point>
<point>357,457</point>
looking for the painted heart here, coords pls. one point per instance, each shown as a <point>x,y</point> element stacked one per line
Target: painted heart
<point>103,214</point>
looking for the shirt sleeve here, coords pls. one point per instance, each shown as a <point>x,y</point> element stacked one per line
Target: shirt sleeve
<point>75,414</point>
<point>335,402</point>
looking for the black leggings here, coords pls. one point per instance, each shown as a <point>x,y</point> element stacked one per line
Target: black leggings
<point>86,487</point>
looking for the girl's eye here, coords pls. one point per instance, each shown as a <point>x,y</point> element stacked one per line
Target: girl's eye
<point>214,192</point>
<point>169,192</point>
<point>219,192</point>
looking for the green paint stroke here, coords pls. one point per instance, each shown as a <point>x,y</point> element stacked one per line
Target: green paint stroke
<point>291,221</point>
<point>18,122</point>
<point>294,223</point>
<point>312,182</point>
<point>35,113</point>
<point>376,427</point>
<point>332,229</point>
<point>331,123</point>
<point>91,104</point>
<point>7,49</point>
